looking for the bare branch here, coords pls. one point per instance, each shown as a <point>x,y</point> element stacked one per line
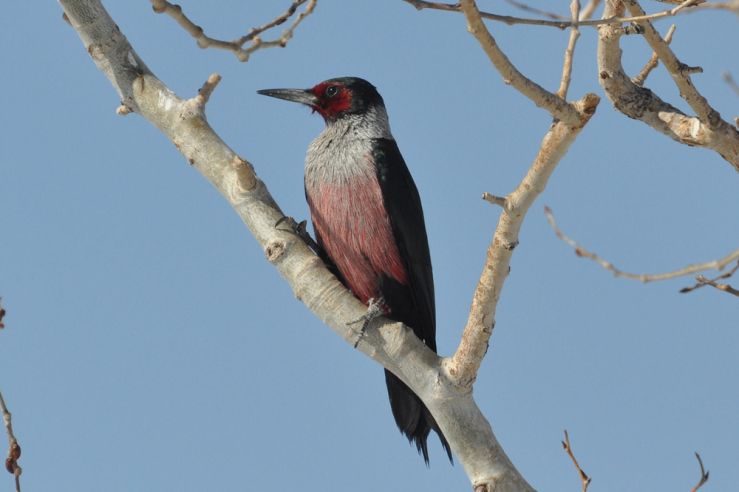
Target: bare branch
<point>564,84</point>
<point>557,107</point>
<point>2,314</point>
<point>584,478</point>
<point>564,24</point>
<point>697,102</point>
<point>707,130</point>
<point>702,281</point>
<point>465,362</point>
<point>653,61</point>
<point>495,200</point>
<point>704,475</point>
<point>14,449</point>
<point>253,37</point>
<point>642,277</point>
<point>206,90</point>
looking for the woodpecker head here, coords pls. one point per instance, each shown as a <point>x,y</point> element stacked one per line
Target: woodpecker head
<point>334,98</point>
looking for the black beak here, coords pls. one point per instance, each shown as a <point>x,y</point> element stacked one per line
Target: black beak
<point>302,96</point>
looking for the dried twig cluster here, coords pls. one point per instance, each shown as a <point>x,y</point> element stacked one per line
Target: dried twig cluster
<point>253,38</point>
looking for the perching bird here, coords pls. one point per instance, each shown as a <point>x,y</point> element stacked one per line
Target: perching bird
<point>368,223</point>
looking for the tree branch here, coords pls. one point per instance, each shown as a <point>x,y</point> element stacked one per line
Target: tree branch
<point>578,16</point>
<point>564,24</point>
<point>584,478</point>
<point>702,281</point>
<point>564,84</point>
<point>704,475</point>
<point>253,37</point>
<point>463,366</point>
<point>14,449</point>
<point>556,106</point>
<point>677,69</point>
<point>391,344</point>
<point>706,130</point>
<point>653,61</point>
<point>569,120</point>
<point>642,277</point>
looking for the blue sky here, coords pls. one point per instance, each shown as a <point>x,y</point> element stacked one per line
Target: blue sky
<point>150,346</point>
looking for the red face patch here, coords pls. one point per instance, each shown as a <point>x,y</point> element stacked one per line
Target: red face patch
<point>333,99</point>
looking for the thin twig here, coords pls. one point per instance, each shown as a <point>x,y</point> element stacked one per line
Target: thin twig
<point>653,61</point>
<point>704,475</point>
<point>584,478</point>
<point>642,277</point>
<point>207,89</point>
<point>253,37</point>
<point>702,281</point>
<point>564,24</point>
<point>564,84</point>
<point>14,449</point>
<point>2,314</point>
<point>557,107</point>
<point>501,201</point>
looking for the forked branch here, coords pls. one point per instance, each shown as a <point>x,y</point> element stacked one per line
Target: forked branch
<point>570,118</point>
<point>702,281</point>
<point>253,37</point>
<point>706,129</point>
<point>557,107</point>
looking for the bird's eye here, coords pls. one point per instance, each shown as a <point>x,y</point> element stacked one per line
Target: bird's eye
<point>331,91</point>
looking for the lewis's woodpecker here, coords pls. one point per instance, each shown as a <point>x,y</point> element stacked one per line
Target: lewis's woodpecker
<point>368,223</point>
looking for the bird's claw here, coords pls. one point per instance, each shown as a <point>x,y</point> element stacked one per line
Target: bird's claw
<point>300,229</point>
<point>376,307</point>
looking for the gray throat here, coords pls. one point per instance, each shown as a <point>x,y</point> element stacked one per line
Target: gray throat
<point>343,148</point>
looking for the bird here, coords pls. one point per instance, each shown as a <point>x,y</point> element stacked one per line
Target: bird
<point>368,224</point>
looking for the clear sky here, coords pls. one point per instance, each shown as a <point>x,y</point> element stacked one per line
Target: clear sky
<point>150,346</point>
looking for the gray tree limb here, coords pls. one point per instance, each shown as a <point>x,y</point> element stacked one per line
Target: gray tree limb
<point>706,129</point>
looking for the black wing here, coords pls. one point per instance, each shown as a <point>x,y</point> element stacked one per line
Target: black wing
<point>413,304</point>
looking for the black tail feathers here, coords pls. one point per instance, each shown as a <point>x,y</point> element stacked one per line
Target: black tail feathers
<point>412,417</point>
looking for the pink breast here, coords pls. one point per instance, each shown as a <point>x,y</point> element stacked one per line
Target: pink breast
<point>356,233</point>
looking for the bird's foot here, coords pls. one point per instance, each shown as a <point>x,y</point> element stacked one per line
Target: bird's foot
<point>300,229</point>
<point>376,307</point>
